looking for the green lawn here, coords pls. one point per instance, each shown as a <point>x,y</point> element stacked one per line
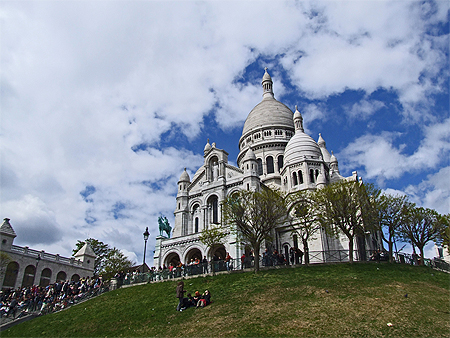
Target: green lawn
<point>341,300</point>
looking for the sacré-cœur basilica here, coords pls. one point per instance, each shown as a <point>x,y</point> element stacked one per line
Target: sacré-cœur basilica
<point>274,151</point>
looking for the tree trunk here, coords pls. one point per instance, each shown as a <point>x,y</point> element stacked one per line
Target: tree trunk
<point>391,254</point>
<point>306,252</point>
<point>256,252</point>
<point>350,249</point>
<point>421,262</point>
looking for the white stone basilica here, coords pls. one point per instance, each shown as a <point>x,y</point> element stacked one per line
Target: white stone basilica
<point>275,152</point>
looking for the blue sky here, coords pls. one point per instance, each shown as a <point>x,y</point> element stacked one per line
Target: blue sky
<point>103,104</point>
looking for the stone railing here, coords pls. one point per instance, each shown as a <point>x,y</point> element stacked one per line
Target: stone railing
<point>26,251</point>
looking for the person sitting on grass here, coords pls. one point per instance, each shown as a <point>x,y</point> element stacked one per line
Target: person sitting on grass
<point>188,301</point>
<point>204,300</point>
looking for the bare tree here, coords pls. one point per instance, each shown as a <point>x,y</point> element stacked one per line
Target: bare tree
<point>255,215</point>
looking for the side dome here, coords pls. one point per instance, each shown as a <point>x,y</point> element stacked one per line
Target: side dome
<point>301,146</point>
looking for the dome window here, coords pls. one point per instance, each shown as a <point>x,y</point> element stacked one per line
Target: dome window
<point>260,166</point>
<point>294,179</point>
<point>269,163</point>
<point>300,177</point>
<point>280,162</point>
<point>311,175</point>
<point>278,132</point>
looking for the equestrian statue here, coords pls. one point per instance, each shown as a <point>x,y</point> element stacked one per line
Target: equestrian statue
<point>164,226</point>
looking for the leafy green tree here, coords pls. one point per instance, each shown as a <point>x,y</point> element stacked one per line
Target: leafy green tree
<point>421,226</point>
<point>255,215</point>
<point>392,213</point>
<point>349,207</point>
<point>115,261</point>
<point>213,237</point>
<point>100,249</point>
<point>304,223</point>
<point>444,235</point>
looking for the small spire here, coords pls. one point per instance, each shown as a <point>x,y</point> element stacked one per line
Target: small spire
<point>298,120</point>
<point>267,85</point>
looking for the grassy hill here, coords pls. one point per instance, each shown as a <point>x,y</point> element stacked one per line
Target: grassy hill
<point>342,300</point>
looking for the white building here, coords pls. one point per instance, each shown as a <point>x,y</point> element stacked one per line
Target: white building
<point>275,152</point>
<point>22,266</point>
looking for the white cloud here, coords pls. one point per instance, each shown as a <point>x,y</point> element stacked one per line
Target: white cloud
<point>364,109</point>
<point>382,160</point>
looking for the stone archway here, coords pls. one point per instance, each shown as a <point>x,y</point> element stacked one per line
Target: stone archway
<point>173,258</point>
<point>28,276</point>
<point>61,276</point>
<point>193,254</point>
<point>12,270</point>
<point>219,251</point>
<point>46,274</point>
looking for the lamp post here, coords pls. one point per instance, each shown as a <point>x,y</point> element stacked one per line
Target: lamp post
<point>146,235</point>
<point>38,259</point>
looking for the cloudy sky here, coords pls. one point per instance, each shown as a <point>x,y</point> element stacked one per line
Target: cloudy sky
<point>103,103</point>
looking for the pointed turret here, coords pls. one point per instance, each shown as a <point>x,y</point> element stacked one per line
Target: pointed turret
<point>207,147</point>
<point>334,163</point>
<point>7,235</point>
<point>323,148</point>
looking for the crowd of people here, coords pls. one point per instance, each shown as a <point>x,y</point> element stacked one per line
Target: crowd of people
<point>198,301</point>
<point>53,297</point>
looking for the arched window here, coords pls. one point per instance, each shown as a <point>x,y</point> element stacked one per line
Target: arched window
<point>196,225</point>
<point>294,179</point>
<point>300,177</point>
<point>311,175</point>
<point>45,277</point>
<point>269,163</point>
<point>295,238</point>
<point>61,276</point>
<point>280,162</point>
<point>11,275</point>
<point>213,206</point>
<point>260,166</point>
<point>317,173</point>
<point>28,276</point>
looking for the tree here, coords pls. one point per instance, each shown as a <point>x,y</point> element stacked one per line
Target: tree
<point>304,215</point>
<point>100,249</point>
<point>444,235</point>
<point>392,213</point>
<point>115,261</point>
<point>421,225</point>
<point>109,260</point>
<point>255,215</point>
<point>212,237</point>
<point>349,207</point>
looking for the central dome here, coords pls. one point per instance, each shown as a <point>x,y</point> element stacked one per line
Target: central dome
<point>268,113</point>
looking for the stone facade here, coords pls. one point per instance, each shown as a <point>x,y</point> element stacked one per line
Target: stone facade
<point>274,151</point>
<point>20,264</point>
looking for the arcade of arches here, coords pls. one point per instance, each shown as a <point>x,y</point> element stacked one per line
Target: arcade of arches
<point>29,276</point>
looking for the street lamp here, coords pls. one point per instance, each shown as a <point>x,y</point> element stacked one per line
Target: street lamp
<point>146,235</point>
<point>38,259</point>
